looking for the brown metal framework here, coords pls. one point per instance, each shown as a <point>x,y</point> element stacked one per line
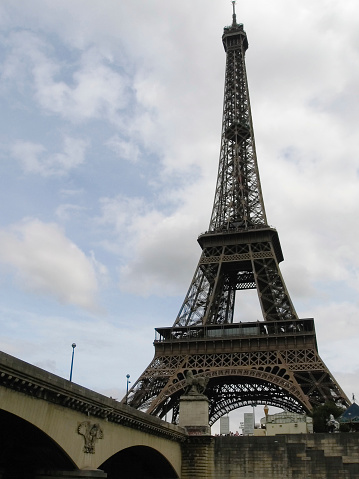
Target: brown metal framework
<point>274,361</point>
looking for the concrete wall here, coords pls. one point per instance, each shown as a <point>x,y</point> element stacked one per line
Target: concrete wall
<point>314,456</point>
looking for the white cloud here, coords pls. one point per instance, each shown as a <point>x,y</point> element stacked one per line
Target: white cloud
<point>348,382</point>
<point>46,262</point>
<point>95,90</point>
<point>100,269</point>
<point>28,154</point>
<point>35,159</point>
<point>155,245</point>
<point>346,320</point>
<point>89,87</point>
<point>125,150</point>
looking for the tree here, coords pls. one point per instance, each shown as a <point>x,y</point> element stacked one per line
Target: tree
<point>322,413</point>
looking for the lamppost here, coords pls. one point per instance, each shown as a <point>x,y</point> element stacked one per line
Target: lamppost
<point>128,382</point>
<point>72,359</point>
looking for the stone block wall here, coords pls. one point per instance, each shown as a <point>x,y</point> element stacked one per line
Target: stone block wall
<point>198,458</point>
<point>314,456</point>
<point>300,456</point>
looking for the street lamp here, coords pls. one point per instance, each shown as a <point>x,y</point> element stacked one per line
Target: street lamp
<point>128,382</point>
<point>72,359</point>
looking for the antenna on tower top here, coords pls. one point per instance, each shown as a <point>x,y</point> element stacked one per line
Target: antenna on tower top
<point>234,12</point>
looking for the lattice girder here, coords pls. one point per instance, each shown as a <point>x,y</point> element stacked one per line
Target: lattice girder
<point>273,295</point>
<point>165,376</point>
<point>279,354</point>
<point>227,397</point>
<point>289,394</point>
<point>273,361</point>
<point>225,268</point>
<point>320,386</point>
<point>238,201</point>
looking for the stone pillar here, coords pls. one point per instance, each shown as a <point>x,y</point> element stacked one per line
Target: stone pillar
<point>198,449</point>
<point>193,414</point>
<point>77,474</point>
<point>198,458</point>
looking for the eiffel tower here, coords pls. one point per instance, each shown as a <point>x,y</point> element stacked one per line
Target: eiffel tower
<point>274,361</point>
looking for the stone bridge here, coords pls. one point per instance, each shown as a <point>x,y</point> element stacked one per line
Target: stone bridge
<point>51,427</point>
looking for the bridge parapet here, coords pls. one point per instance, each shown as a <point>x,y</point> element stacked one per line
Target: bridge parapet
<point>37,383</point>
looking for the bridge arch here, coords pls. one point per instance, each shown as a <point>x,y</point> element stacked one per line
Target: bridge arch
<point>138,462</point>
<point>26,449</point>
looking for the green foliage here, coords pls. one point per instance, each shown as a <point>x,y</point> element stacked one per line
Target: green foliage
<point>322,413</point>
<point>345,428</point>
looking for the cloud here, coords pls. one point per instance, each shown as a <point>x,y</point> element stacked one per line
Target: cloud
<point>155,244</point>
<point>35,159</point>
<point>346,323</point>
<point>125,150</point>
<point>96,90</point>
<point>46,262</point>
<point>88,87</point>
<point>348,382</point>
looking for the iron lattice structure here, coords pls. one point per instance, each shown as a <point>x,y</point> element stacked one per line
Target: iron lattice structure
<point>274,361</point>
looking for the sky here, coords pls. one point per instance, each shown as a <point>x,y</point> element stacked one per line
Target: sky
<point>109,144</point>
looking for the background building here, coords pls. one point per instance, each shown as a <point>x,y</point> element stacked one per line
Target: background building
<point>286,423</point>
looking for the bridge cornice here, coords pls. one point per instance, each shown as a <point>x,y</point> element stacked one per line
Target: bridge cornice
<point>40,384</point>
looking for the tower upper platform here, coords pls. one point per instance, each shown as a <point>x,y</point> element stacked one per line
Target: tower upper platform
<point>234,34</point>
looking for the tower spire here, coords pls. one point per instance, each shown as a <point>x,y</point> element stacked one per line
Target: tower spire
<point>234,13</point>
